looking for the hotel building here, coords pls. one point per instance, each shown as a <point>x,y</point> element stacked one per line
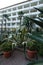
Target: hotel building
<point>27,7</point>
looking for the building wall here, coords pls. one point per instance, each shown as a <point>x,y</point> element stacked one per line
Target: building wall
<point>28,9</point>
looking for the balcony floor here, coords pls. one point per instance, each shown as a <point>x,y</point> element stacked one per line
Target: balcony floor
<point>17,58</point>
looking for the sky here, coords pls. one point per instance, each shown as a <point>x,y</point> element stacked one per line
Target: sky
<point>4,3</point>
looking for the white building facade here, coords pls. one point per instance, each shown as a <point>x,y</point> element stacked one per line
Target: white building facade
<point>27,7</point>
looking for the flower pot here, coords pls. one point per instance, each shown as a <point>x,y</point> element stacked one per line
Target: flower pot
<point>31,54</point>
<point>7,54</point>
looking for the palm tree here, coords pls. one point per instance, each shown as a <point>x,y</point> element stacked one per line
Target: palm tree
<point>41,11</point>
<point>20,17</point>
<point>37,22</point>
<point>39,19</point>
<point>5,18</point>
<point>27,23</point>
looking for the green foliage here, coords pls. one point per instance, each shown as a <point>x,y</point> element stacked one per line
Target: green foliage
<point>37,22</point>
<point>41,49</point>
<point>6,16</point>
<point>32,45</point>
<point>7,46</point>
<point>20,13</point>
<point>39,10</point>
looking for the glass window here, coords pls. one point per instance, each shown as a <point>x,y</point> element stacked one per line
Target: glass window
<point>18,18</point>
<point>13,23</point>
<point>33,16</point>
<point>8,24</point>
<point>4,11</point>
<point>18,23</point>
<point>26,11</point>
<point>14,8</point>
<point>13,13</point>
<point>20,7</point>
<point>9,19</point>
<point>9,14</point>
<point>13,19</point>
<point>33,4</point>
<point>9,9</point>
<point>33,10</point>
<point>27,5</point>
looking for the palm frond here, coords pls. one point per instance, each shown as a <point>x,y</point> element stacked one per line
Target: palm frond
<point>39,10</point>
<point>37,22</point>
<point>39,19</point>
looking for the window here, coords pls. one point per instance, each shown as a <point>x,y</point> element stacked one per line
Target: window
<point>33,10</point>
<point>9,14</point>
<point>27,5</point>
<point>18,23</point>
<point>26,11</point>
<point>13,13</point>
<point>13,23</point>
<point>9,9</point>
<point>8,24</point>
<point>32,16</point>
<point>20,7</point>
<point>33,4</point>
<point>4,11</point>
<point>14,8</point>
<point>18,18</point>
<point>9,19</point>
<point>13,19</point>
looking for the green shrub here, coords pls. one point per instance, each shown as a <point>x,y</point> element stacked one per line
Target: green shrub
<point>7,46</point>
<point>41,49</point>
<point>32,45</point>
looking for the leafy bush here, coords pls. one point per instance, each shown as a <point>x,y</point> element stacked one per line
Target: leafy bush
<point>32,45</point>
<point>41,49</point>
<point>7,46</point>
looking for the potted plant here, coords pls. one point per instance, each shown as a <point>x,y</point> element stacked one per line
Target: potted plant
<point>7,47</point>
<point>32,49</point>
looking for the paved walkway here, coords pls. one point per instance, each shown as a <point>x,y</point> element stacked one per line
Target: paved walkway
<point>17,58</point>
